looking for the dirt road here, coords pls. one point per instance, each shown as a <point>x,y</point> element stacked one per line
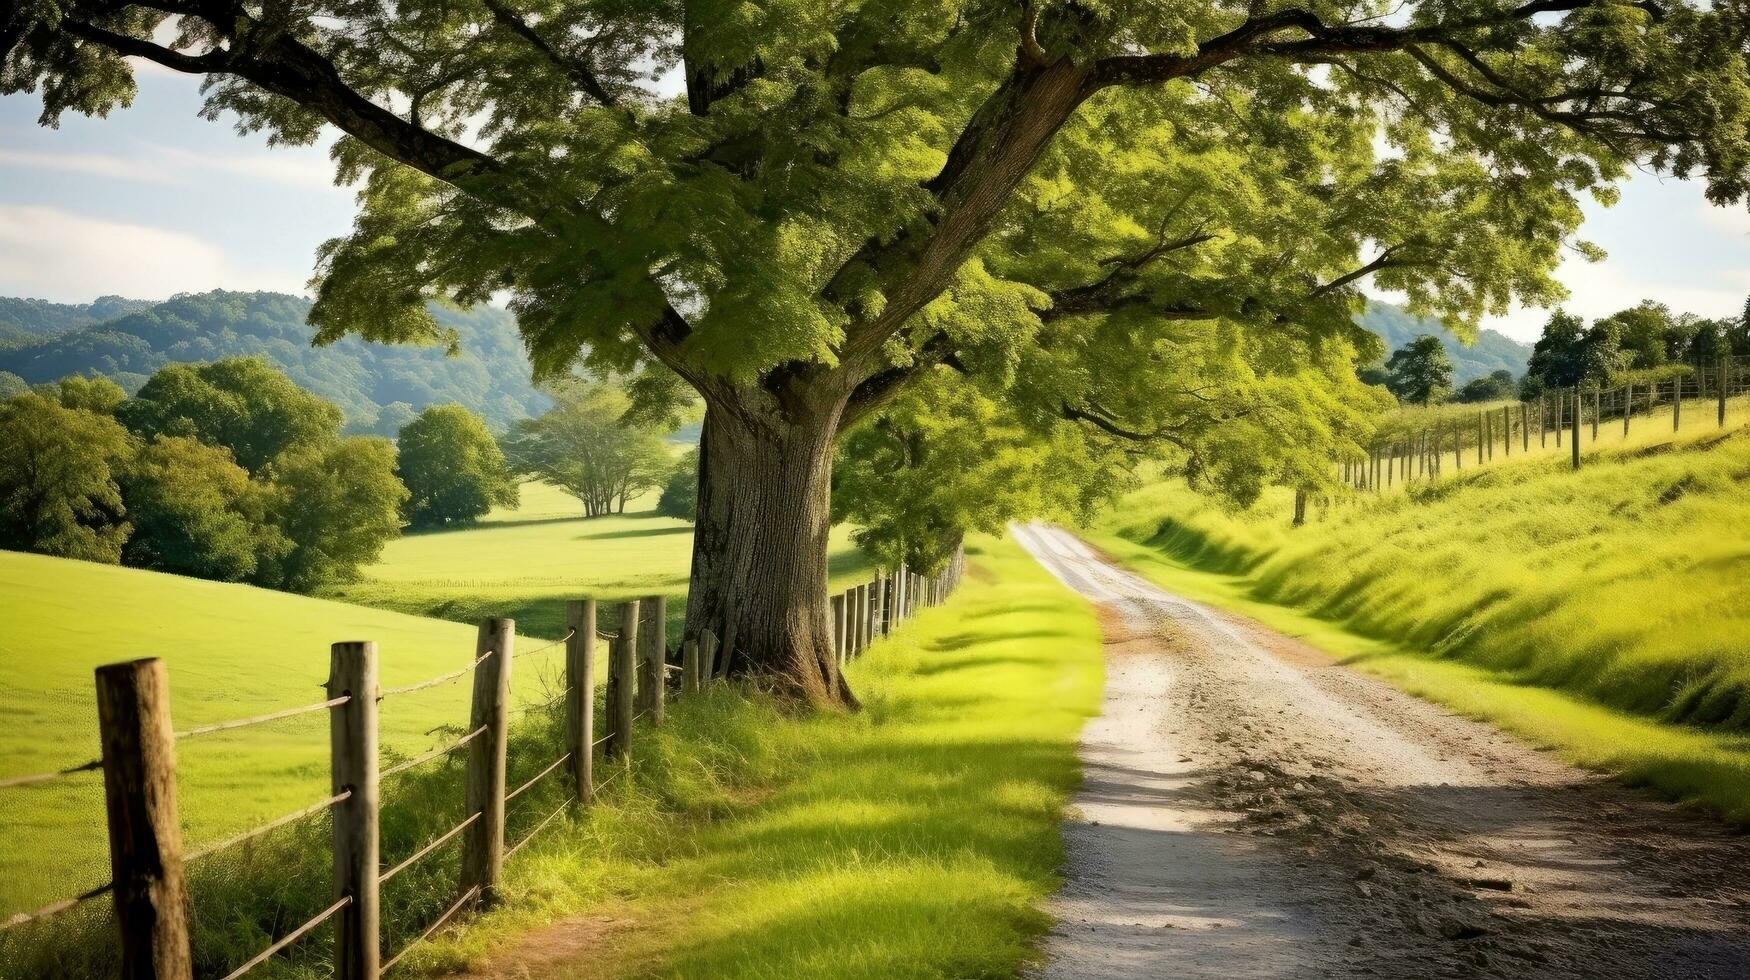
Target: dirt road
<point>1253,810</point>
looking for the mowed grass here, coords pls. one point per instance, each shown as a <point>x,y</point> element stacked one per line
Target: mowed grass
<point>527,562</point>
<point>916,838</point>
<point>232,651</point>
<point>1604,613</point>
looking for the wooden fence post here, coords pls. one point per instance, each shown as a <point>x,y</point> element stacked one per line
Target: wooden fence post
<point>859,616</point>
<point>1597,412</point>
<point>483,841</point>
<point>580,697</point>
<point>1574,433</point>
<point>1542,427</point>
<point>877,604</point>
<point>1724,361</point>
<point>1506,430</point>
<point>1628,406</point>
<point>1299,507</point>
<point>689,666</point>
<point>352,739</point>
<point>1482,443</point>
<point>145,838</point>
<point>1676,403</point>
<point>653,658</point>
<point>707,656</point>
<point>623,682</point>
<point>1524,428</point>
<point>838,629</point>
<point>1560,406</point>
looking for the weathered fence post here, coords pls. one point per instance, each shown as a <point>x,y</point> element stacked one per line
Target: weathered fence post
<point>483,842</point>
<point>877,602</point>
<point>1542,423</point>
<point>1676,403</point>
<point>623,682</point>
<point>1597,413</point>
<point>1524,427</point>
<point>1482,442</point>
<point>837,604</point>
<point>1628,406</point>
<point>653,658</point>
<point>859,616</point>
<point>352,739</point>
<point>690,667</point>
<point>145,838</point>
<point>1574,439</point>
<point>1560,406</point>
<point>1299,507</point>
<point>1506,430</point>
<point>580,696</point>
<point>1725,359</point>
<point>707,656</point>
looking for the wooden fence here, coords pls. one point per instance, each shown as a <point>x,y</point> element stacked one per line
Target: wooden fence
<point>138,762</point>
<point>1558,415</point>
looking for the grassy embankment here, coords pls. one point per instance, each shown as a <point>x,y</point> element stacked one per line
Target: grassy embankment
<point>914,838</point>
<point>1602,613</point>
<point>525,563</point>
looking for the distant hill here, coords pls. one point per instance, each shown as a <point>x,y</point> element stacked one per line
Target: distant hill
<point>41,318</point>
<point>379,386</point>
<point>1492,350</point>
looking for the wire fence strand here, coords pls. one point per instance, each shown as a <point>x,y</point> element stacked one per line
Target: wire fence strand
<point>407,764</point>
<point>544,649</point>
<point>538,828</point>
<point>448,836</point>
<point>513,794</point>
<point>274,824</point>
<point>467,897</point>
<point>43,777</point>
<point>225,726</point>
<point>290,938</point>
<point>435,681</point>
<point>55,908</point>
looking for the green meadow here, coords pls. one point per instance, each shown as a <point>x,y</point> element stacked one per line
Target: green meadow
<point>1602,612</point>
<point>526,562</point>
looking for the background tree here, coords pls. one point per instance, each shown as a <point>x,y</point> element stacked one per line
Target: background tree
<point>337,504</point>
<point>1558,359</point>
<point>58,494</point>
<point>11,385</point>
<point>195,512</point>
<point>851,196</point>
<point>1492,387</point>
<point>1420,372</point>
<point>243,404</point>
<point>1644,334</point>
<point>680,493</point>
<point>452,467</point>
<point>94,394</point>
<point>587,446</point>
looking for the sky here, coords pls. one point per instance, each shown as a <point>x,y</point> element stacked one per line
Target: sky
<point>155,201</point>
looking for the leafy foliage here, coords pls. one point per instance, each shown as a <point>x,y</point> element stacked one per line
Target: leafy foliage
<point>1497,386</point>
<point>586,446</point>
<point>1645,341</point>
<point>337,505</point>
<point>680,494</point>
<point>58,493</point>
<point>452,467</point>
<point>379,388</point>
<point>41,318</point>
<point>195,512</point>
<point>1420,372</point>
<point>242,404</point>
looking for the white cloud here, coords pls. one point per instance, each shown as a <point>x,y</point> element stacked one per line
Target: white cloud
<point>174,165</point>
<point>1734,220</point>
<point>302,167</point>
<point>94,164</point>
<point>54,254</point>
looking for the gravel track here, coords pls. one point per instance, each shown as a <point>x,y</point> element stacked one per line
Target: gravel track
<point>1252,809</point>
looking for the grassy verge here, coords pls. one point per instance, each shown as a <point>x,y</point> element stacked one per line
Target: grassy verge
<point>1598,613</point>
<point>915,838</point>
<point>524,563</point>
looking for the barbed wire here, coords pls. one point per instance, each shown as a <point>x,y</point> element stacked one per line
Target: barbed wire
<point>43,777</point>
<point>435,681</point>
<point>290,938</point>
<point>224,726</point>
<point>407,764</point>
<point>55,908</point>
<point>467,897</point>
<point>273,824</point>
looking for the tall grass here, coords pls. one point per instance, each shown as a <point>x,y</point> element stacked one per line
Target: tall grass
<point>1622,585</point>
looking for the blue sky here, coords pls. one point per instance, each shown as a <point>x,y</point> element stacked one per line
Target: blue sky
<point>155,200</point>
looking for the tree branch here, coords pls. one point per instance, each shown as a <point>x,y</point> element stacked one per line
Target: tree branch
<point>579,69</point>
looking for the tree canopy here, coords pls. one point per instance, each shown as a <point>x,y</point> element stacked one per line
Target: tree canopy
<point>58,493</point>
<point>1420,372</point>
<point>848,197</point>
<point>587,446</point>
<point>243,404</point>
<point>452,466</point>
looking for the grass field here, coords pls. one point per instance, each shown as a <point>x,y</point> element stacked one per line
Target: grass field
<point>527,562</point>
<point>1603,612</point>
<point>913,839</point>
<point>233,651</point>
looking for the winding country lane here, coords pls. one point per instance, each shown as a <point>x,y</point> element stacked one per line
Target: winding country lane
<point>1253,810</point>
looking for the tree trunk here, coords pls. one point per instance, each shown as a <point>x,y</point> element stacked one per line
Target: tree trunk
<point>759,549</point>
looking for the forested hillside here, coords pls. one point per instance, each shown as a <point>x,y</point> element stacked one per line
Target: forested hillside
<point>380,387</point>
<point>1492,350</point>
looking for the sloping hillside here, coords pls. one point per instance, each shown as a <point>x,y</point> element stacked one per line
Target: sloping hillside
<point>379,386</point>
<point>41,318</point>
<point>1492,351</point>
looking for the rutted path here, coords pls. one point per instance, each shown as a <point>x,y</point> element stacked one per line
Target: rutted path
<point>1252,810</point>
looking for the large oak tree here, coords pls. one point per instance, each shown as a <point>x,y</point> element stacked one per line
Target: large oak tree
<point>851,194</point>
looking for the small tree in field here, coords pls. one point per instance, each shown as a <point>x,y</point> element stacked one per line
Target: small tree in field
<point>586,446</point>
<point>452,467</point>
<point>848,197</point>
<point>1420,372</point>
